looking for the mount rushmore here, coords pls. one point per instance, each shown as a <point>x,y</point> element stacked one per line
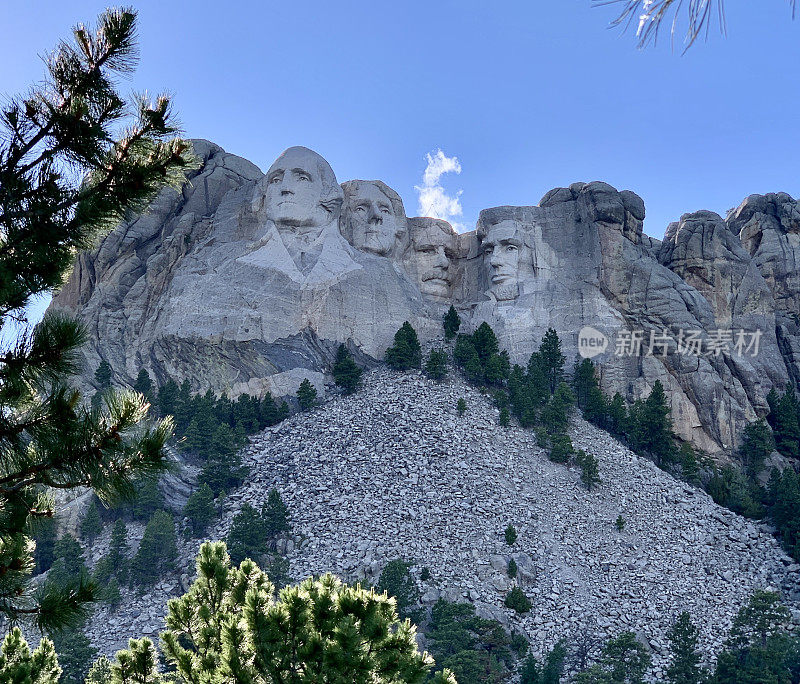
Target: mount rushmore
<point>247,282</point>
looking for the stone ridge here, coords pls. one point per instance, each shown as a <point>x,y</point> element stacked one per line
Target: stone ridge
<point>394,472</point>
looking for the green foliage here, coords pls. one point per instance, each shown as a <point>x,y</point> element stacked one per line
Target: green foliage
<point>504,417</point>
<point>346,373</point>
<point>555,414</point>
<point>436,365</point>
<point>512,568</point>
<point>756,445</point>
<point>550,672</point>
<point>619,523</point>
<point>784,510</point>
<point>75,654</point>
<point>551,359</point>
<point>451,323</point>
<point>588,396</point>
<point>759,649</point>
<point>100,672</point>
<point>425,574</point>
<point>149,499</point>
<point>516,600</point>
<point>590,469</point>
<point>784,418</point>
<point>475,649</point>
<point>461,406</point>
<point>689,463</point>
<point>623,660</point>
<point>729,487</point>
<point>102,376</point>
<point>138,664</point>
<point>223,469</point>
<point>561,449</point>
<point>200,509</point>
<point>319,626</point>
<point>480,358</point>
<point>19,664</point>
<point>69,564</point>
<point>91,525</point>
<point>157,551</point>
<point>684,667</point>
<point>144,385</point>
<point>252,531</point>
<point>66,179</point>
<point>406,352</point>
<point>110,594</point>
<point>306,395</point>
<point>45,544</point>
<point>511,535</point>
<point>650,427</point>
<point>396,580</point>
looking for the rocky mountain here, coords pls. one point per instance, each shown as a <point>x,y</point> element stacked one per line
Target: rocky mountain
<point>395,472</point>
<point>247,282</point>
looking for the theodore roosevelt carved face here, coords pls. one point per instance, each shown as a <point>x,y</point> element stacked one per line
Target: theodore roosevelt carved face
<point>375,218</point>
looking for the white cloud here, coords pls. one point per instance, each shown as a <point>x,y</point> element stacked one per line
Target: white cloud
<point>434,201</point>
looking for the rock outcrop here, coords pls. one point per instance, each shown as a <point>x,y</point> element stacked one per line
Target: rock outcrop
<point>247,282</point>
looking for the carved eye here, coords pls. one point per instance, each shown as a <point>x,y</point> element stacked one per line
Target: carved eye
<point>385,210</point>
<point>511,248</point>
<point>304,177</point>
<point>361,208</point>
<point>275,179</point>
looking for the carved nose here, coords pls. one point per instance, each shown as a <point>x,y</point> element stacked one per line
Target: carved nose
<point>375,216</point>
<point>442,261</point>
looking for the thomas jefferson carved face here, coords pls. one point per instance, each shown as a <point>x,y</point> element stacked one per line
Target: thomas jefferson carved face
<point>301,191</point>
<point>434,249</point>
<point>376,219</point>
<point>503,249</point>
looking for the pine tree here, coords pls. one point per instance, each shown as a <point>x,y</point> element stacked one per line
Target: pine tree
<point>144,385</point>
<point>200,509</point>
<point>168,398</point>
<point>511,535</point>
<point>396,581</point>
<point>346,373</point>
<point>223,469</point>
<point>451,323</point>
<point>157,552</point>
<point>690,466</point>
<point>100,672</point>
<point>436,365</point>
<point>406,352</point>
<point>65,180</point>
<point>757,444</point>
<point>552,360</point>
<point>652,427</point>
<point>149,499</point>
<point>137,664</point>
<point>685,665</point>
<point>19,664</point>
<point>461,406</point>
<point>786,423</point>
<point>102,376</point>
<point>504,417</point>
<point>306,395</point>
<point>248,535</point>
<point>45,544</point>
<point>590,469</point>
<point>617,415</point>
<point>91,525</point>
<point>275,514</point>
<point>356,634</point>
<point>75,654</point>
<point>485,342</point>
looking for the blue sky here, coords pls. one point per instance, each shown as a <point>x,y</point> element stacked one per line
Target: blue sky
<point>527,95</point>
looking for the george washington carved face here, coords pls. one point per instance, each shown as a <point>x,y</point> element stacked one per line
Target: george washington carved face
<point>434,248</point>
<point>376,220</point>
<point>300,191</point>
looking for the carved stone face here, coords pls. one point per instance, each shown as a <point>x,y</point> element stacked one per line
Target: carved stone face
<point>376,225</point>
<point>503,249</point>
<point>434,249</point>
<point>297,186</point>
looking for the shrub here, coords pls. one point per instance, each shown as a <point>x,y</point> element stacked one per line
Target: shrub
<point>511,535</point>
<point>516,600</point>
<point>451,323</point>
<point>504,417</point>
<point>590,469</point>
<point>512,568</point>
<point>425,575</point>
<point>561,449</point>
<point>461,406</point>
<point>619,523</point>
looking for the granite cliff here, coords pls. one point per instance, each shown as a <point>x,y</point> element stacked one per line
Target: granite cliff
<point>247,282</point>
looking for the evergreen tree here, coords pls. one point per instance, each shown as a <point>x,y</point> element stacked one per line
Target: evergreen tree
<point>757,445</point>
<point>511,535</point>
<point>684,667</point>
<point>552,360</point>
<point>504,417</point>
<point>255,636</point>
<point>396,581</point>
<point>223,469</point>
<point>201,428</point>
<point>157,552</point>
<point>167,401</point>
<point>100,672</point>
<point>555,415</point>
<point>200,509</point>
<point>516,600</point>
<point>623,660</point>
<point>65,181</point>
<point>115,563</point>
<point>451,323</point>
<point>651,428</point>
<point>306,395</point>
<point>75,654</point>
<point>346,372</point>
<point>144,385</point>
<point>248,535</point>
<point>149,499</point>
<point>275,514</point>
<point>786,423</point>
<point>561,449</point>
<point>45,544</point>
<point>617,415</point>
<point>583,381</point>
<point>512,568</point>
<point>590,469</point>
<point>406,352</point>
<point>784,511</point>
<point>690,467</point>
<point>19,664</point>
<point>461,406</point>
<point>485,342</point>
<point>436,365</point>
<point>137,664</point>
<point>91,525</point>
<point>619,523</point>
<point>69,564</point>
<point>111,593</point>
<point>102,376</point>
